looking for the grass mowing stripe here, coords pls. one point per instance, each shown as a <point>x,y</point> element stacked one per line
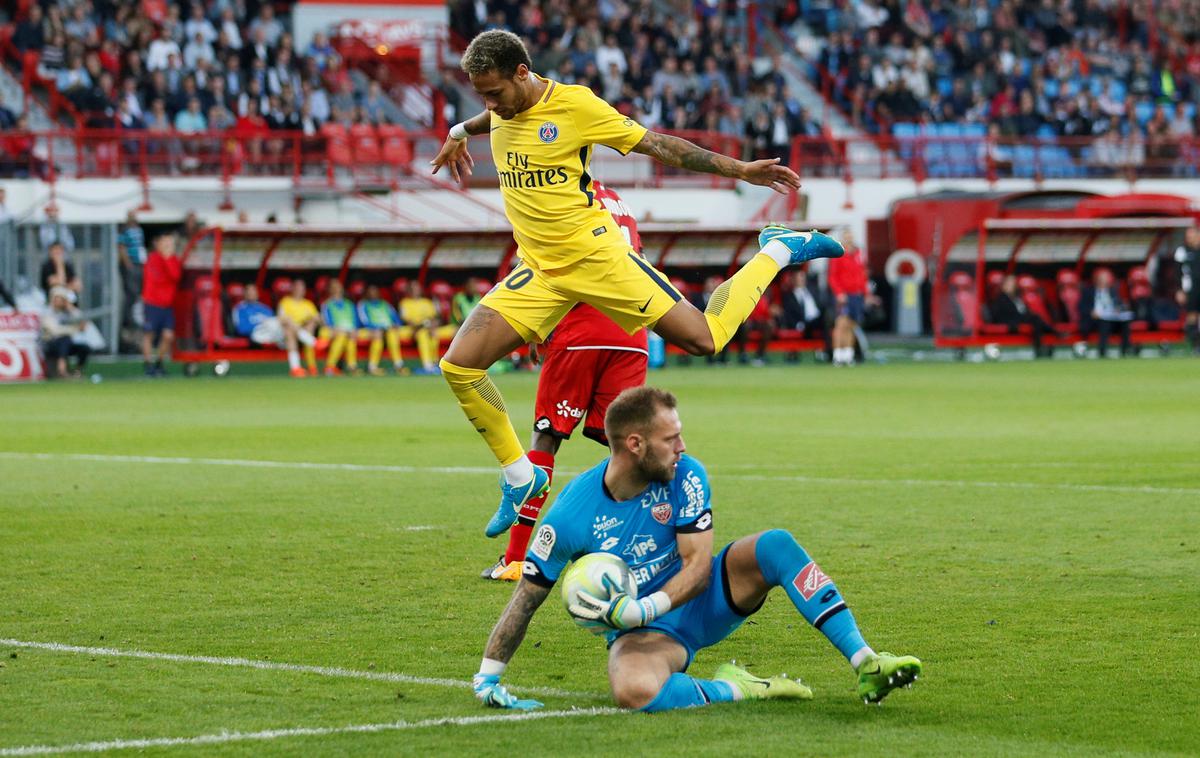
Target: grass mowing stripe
<point>383,676</point>
<point>303,731</point>
<point>800,478</point>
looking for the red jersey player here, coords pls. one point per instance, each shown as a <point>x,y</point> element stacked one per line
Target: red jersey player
<point>586,362</point>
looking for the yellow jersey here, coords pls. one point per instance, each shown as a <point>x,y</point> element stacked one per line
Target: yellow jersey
<point>415,311</point>
<point>299,310</point>
<point>543,156</point>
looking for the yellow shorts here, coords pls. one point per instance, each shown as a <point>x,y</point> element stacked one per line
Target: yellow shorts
<point>620,284</point>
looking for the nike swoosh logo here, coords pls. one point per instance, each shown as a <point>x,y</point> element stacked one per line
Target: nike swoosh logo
<point>494,128</point>
<point>647,305</point>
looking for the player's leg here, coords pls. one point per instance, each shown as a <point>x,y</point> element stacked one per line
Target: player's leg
<point>773,558</point>
<point>336,345</point>
<point>426,349</point>
<point>522,309</point>
<point>307,336</point>
<point>645,672</point>
<point>393,337</point>
<point>679,322</point>
<point>291,343</point>
<point>352,351</point>
<point>375,352</point>
<point>165,342</point>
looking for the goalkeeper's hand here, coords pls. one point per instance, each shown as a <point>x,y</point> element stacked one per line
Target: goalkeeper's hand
<point>489,690</point>
<point>620,611</point>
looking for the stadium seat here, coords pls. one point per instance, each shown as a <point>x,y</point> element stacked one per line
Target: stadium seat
<point>235,292</point>
<point>1068,295</point>
<point>399,287</point>
<point>356,289</point>
<point>396,147</point>
<point>321,287</point>
<point>280,287</point>
<point>962,290</point>
<point>1144,111</point>
<point>994,279</point>
<point>484,287</point>
<point>442,292</point>
<point>204,286</point>
<point>1034,297</point>
<point>366,144</point>
<point>337,144</point>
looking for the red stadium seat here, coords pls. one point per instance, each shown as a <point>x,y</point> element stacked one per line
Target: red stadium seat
<point>1068,295</point>
<point>396,147</point>
<point>484,287</point>
<point>399,287</point>
<point>442,292</point>
<point>356,289</point>
<point>337,144</point>
<point>280,287</point>
<point>366,144</point>
<point>321,287</point>
<point>204,286</point>
<point>962,287</point>
<point>1034,297</point>
<point>994,279</point>
<point>236,292</point>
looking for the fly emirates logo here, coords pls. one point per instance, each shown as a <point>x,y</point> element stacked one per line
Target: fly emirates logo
<point>519,175</point>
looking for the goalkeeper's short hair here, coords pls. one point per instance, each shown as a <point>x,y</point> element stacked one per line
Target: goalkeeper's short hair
<point>634,411</point>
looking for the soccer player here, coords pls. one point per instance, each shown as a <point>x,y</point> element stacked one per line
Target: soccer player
<point>587,361</point>
<point>1187,257</point>
<point>848,283</point>
<point>381,320</point>
<point>651,505</point>
<point>300,320</point>
<point>338,314</point>
<point>422,325</point>
<point>542,135</point>
<point>160,284</point>
<point>253,318</point>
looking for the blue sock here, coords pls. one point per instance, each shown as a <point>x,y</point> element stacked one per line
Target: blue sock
<point>785,564</point>
<point>683,691</point>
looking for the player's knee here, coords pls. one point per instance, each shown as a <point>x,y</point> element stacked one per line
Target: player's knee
<point>635,692</point>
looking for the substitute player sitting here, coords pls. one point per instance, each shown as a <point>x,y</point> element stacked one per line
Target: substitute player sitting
<point>587,361</point>
<point>651,505</point>
<point>339,316</point>
<point>381,321</point>
<point>543,134</point>
<point>300,320</point>
<point>423,326</point>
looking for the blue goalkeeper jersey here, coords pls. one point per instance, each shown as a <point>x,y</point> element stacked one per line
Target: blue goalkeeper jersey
<point>247,315</point>
<point>641,531</point>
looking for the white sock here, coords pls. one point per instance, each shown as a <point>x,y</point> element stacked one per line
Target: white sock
<point>306,337</point>
<point>519,472</point>
<point>778,252</point>
<point>860,656</point>
<point>293,359</point>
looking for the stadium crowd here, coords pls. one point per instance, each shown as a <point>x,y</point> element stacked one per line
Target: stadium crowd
<point>183,68</point>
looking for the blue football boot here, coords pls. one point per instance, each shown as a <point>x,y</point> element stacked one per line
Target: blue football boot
<point>512,498</point>
<point>805,246</point>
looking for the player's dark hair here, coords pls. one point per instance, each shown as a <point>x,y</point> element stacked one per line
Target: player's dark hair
<point>634,411</point>
<point>495,50</point>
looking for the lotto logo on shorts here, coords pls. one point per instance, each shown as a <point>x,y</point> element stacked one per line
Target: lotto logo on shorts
<point>810,579</point>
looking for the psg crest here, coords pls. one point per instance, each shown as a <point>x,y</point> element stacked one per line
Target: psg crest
<point>548,132</point>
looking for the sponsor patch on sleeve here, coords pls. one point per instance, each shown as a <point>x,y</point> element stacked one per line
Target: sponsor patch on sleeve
<point>543,543</point>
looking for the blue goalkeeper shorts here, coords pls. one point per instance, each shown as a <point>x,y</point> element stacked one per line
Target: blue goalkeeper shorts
<point>702,621</point>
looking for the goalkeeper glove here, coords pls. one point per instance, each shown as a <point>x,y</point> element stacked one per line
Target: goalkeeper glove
<point>620,611</point>
<point>489,690</point>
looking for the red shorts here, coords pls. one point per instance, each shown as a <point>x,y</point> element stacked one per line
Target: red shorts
<point>579,383</point>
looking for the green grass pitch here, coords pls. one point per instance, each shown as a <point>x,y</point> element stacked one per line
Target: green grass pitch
<point>1029,530</point>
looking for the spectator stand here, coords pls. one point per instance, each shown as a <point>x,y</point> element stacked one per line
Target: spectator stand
<point>1051,258</point>
<point>219,261</point>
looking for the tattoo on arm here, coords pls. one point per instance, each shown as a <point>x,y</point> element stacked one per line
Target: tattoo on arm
<point>479,124</point>
<point>680,153</point>
<point>510,629</point>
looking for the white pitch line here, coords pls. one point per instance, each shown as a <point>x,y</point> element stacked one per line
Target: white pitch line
<point>302,731</point>
<point>381,676</point>
<point>311,465</point>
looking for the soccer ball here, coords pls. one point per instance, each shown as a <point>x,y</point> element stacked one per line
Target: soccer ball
<point>588,574</point>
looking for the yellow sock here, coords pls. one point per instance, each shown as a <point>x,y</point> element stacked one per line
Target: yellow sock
<point>481,402</point>
<point>426,347</point>
<point>351,352</point>
<point>376,352</point>
<point>393,343</point>
<point>732,302</point>
<point>310,357</point>
<point>335,350</point>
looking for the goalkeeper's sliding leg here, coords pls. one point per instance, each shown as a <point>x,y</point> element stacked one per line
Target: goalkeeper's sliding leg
<point>527,305</point>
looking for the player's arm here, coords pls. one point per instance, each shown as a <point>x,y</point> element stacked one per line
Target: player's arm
<point>696,550</point>
<point>506,637</point>
<point>677,152</point>
<point>454,151</point>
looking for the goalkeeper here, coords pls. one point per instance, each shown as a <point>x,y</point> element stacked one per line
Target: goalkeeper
<point>650,504</point>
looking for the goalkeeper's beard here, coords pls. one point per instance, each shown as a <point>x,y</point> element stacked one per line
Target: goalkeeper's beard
<point>654,471</point>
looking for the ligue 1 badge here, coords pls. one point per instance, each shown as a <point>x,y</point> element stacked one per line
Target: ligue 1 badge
<point>548,132</point>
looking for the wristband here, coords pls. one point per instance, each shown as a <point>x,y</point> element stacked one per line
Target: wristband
<point>492,667</point>
<point>660,602</point>
<point>459,132</point>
